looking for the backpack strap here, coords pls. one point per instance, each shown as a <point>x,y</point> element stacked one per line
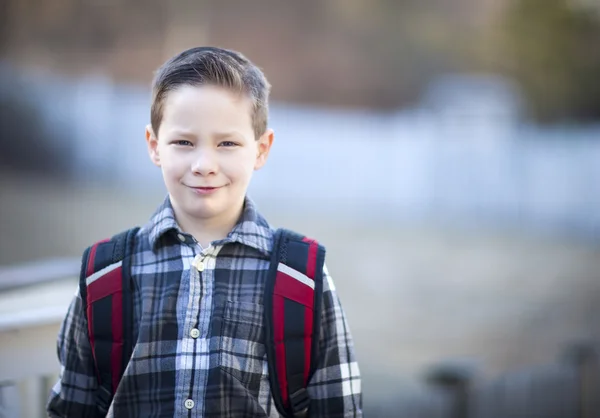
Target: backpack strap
<point>105,287</point>
<point>292,317</point>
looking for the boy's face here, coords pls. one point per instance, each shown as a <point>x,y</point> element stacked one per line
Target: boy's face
<point>207,150</point>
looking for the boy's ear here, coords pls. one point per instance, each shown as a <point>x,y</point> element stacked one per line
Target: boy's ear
<point>152,142</point>
<point>264,146</point>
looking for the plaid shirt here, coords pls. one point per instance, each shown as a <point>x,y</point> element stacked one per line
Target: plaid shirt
<point>198,327</point>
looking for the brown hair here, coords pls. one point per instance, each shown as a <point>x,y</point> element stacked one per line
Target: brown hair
<point>212,66</point>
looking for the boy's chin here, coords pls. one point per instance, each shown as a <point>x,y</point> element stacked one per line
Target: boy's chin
<point>207,209</point>
<point>204,211</point>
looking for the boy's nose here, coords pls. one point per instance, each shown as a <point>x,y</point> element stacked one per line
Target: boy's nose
<point>204,164</point>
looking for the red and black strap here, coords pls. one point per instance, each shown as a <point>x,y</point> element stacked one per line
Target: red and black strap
<point>106,292</point>
<point>292,301</point>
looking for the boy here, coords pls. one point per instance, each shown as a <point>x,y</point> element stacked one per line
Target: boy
<point>198,267</point>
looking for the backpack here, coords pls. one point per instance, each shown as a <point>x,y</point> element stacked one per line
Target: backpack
<point>293,292</point>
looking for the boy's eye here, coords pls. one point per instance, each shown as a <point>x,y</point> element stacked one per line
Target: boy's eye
<point>182,142</point>
<point>227,144</point>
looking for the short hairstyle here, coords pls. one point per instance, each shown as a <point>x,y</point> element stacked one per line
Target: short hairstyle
<point>217,67</point>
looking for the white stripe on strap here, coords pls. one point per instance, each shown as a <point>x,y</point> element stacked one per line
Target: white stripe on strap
<point>92,278</point>
<point>296,275</point>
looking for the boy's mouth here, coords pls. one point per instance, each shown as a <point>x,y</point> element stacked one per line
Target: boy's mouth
<point>205,190</point>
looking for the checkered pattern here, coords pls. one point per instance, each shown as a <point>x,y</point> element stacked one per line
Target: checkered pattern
<point>224,370</point>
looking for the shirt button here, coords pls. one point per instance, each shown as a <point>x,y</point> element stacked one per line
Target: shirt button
<point>198,263</point>
<point>189,404</point>
<point>181,237</point>
<point>194,333</point>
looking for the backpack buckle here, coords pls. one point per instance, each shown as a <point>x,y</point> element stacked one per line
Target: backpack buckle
<point>299,402</point>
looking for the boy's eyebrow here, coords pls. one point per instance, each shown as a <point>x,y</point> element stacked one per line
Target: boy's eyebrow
<point>228,134</point>
<point>182,133</point>
<point>217,135</point>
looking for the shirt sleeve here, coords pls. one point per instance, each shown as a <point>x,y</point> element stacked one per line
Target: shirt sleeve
<point>74,393</point>
<point>335,388</point>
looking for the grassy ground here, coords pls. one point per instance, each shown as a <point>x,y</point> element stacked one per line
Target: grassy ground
<point>413,294</point>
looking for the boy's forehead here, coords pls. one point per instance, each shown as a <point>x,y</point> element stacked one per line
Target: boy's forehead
<point>207,93</point>
<point>207,105</point>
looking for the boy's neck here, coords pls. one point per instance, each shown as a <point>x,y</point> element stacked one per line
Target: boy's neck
<point>208,230</point>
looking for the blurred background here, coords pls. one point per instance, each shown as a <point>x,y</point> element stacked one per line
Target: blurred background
<point>447,153</point>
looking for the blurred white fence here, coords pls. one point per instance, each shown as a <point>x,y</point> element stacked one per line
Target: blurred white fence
<point>453,158</point>
<point>33,301</point>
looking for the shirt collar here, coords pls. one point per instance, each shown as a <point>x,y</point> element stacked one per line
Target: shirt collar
<point>251,229</point>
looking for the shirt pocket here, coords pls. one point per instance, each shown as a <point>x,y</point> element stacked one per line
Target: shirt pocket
<point>242,351</point>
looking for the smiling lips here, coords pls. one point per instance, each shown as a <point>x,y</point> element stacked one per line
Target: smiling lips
<point>205,190</point>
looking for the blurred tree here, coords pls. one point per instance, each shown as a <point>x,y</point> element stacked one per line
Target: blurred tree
<point>553,50</point>
<point>363,53</point>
